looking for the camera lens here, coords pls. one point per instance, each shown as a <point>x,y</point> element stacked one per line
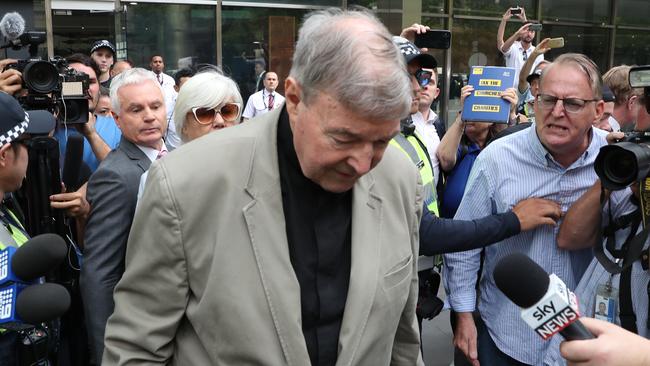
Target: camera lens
<point>620,167</point>
<point>41,77</point>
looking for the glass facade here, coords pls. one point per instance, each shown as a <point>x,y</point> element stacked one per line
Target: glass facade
<point>239,34</point>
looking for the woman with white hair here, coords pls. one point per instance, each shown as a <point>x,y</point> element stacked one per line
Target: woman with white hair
<point>207,102</point>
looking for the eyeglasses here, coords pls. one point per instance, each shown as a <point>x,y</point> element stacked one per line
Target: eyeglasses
<point>205,116</point>
<point>525,54</point>
<point>571,105</point>
<point>423,77</point>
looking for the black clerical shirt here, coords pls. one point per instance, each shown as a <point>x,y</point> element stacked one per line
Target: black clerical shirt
<point>318,225</point>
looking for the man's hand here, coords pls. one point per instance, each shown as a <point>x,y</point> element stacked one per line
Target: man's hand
<point>534,212</point>
<point>614,137</point>
<point>410,32</point>
<point>87,129</point>
<point>11,80</point>
<point>523,30</point>
<point>74,203</point>
<point>541,48</point>
<point>507,15</point>
<point>613,346</point>
<point>465,336</point>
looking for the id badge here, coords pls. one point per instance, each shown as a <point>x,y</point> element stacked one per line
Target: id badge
<point>606,305</point>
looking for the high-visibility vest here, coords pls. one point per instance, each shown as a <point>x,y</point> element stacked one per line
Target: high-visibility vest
<point>15,229</point>
<point>413,147</point>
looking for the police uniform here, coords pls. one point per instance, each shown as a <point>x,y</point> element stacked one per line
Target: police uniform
<point>15,125</point>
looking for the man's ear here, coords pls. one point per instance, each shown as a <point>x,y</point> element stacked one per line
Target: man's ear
<point>4,150</point>
<point>292,96</point>
<point>117,120</point>
<point>631,101</point>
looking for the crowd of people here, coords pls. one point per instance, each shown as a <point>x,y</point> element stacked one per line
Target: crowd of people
<point>315,227</point>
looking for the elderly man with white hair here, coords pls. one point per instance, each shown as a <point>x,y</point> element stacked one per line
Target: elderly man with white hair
<point>139,108</point>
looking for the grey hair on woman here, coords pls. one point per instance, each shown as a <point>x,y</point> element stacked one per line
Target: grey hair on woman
<point>207,89</point>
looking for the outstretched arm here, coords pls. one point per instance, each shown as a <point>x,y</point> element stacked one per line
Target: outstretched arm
<point>462,235</point>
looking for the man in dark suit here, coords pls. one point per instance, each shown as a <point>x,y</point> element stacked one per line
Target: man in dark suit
<point>139,109</point>
<point>297,243</point>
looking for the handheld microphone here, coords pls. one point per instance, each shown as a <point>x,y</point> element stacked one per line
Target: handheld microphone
<point>38,256</point>
<point>22,306</point>
<point>74,151</point>
<point>547,304</point>
<point>12,26</point>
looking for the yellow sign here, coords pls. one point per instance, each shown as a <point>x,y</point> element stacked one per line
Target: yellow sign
<point>477,71</point>
<point>485,108</point>
<point>488,93</point>
<point>489,82</point>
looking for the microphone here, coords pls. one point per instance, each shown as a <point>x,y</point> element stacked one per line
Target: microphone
<point>72,165</point>
<point>43,302</point>
<point>12,26</point>
<point>547,304</point>
<point>23,306</point>
<point>38,256</point>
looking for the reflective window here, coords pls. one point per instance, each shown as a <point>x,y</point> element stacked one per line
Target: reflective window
<point>433,6</point>
<point>77,30</point>
<point>262,36</point>
<point>588,11</point>
<point>632,47</point>
<point>592,41</point>
<point>493,8</point>
<point>633,12</point>
<point>182,34</point>
<point>294,2</point>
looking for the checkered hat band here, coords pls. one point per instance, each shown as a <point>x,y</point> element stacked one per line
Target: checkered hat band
<point>15,132</point>
<point>409,50</point>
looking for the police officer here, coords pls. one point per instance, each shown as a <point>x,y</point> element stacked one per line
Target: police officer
<point>15,128</point>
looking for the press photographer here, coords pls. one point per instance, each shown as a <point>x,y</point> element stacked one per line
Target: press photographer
<point>611,218</point>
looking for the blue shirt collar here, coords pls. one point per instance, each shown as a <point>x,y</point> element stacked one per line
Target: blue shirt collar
<point>543,156</point>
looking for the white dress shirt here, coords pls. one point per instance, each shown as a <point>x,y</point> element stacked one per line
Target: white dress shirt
<point>515,58</point>
<point>258,103</point>
<point>429,135</point>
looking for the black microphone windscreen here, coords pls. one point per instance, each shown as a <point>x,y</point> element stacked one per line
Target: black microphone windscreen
<point>12,26</point>
<point>74,151</point>
<point>38,256</point>
<point>522,280</point>
<point>43,302</point>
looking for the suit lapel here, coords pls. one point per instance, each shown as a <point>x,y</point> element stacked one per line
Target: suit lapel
<point>134,153</point>
<point>266,227</point>
<point>366,233</point>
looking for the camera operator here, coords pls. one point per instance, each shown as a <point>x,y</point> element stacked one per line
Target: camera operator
<point>101,134</point>
<point>15,128</point>
<point>10,79</point>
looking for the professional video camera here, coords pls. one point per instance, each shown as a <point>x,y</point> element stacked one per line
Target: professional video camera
<point>628,161</point>
<point>53,86</point>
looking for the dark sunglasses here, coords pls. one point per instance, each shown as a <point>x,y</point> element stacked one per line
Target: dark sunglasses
<point>205,116</point>
<point>25,141</point>
<point>423,77</point>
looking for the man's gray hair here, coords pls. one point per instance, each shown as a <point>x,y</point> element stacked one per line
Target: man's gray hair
<point>206,89</point>
<point>129,77</point>
<point>584,64</point>
<point>360,67</point>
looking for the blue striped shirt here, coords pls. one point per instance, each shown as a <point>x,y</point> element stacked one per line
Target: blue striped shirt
<point>509,170</point>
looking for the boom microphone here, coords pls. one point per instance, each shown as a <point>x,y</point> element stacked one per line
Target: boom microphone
<point>547,305</point>
<point>12,26</point>
<point>74,151</point>
<point>38,256</point>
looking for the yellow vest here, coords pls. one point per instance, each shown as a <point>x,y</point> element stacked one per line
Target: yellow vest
<point>17,232</point>
<point>413,147</point>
